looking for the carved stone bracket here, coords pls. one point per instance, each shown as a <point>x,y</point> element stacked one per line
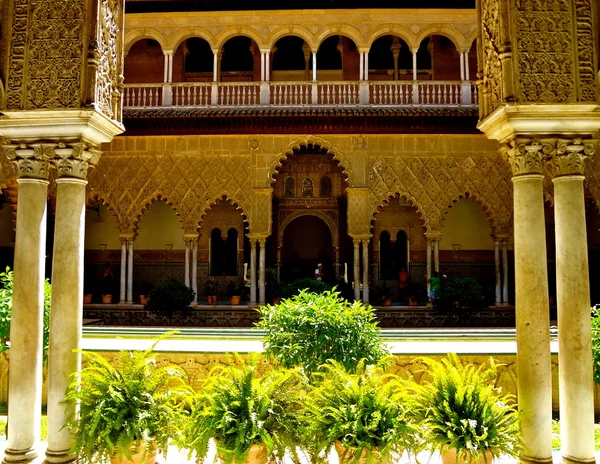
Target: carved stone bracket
<point>30,160</point>
<point>570,156</point>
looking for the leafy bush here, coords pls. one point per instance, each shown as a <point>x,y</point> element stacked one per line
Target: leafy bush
<point>311,328</point>
<point>169,297</point>
<point>239,408</point>
<point>6,292</point>
<point>596,342</point>
<point>365,411</point>
<point>460,408</point>
<point>460,295</point>
<point>310,285</point>
<point>133,404</point>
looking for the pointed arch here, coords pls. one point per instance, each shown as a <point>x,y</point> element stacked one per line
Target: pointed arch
<point>412,201</point>
<point>227,198</point>
<point>149,202</point>
<point>304,142</point>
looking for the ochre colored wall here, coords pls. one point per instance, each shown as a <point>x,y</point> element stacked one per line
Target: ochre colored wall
<point>466,225</point>
<point>158,227</point>
<point>101,228</point>
<point>144,63</point>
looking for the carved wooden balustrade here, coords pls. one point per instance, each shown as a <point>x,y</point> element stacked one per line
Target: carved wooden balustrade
<point>335,93</point>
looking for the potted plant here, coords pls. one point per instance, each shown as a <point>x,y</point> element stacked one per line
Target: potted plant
<point>463,415</point>
<point>248,415</point>
<point>211,287</point>
<point>365,414</point>
<point>169,297</point>
<point>459,296</point>
<point>234,292</point>
<point>108,284</point>
<point>308,329</point>
<point>145,289</point>
<point>126,410</point>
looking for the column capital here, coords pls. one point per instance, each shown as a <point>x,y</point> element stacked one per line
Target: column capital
<point>434,236</point>
<point>190,238</point>
<point>570,156</point>
<point>74,159</point>
<point>527,155</point>
<point>30,160</point>
<point>255,237</point>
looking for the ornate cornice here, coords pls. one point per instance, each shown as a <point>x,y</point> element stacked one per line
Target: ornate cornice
<point>570,156</point>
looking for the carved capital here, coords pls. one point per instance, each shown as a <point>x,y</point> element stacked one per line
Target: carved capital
<point>570,156</point>
<point>73,160</point>
<point>190,240</point>
<point>262,242</point>
<point>527,156</point>
<point>356,243</point>
<point>30,160</point>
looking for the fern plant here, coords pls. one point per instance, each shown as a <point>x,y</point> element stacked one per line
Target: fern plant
<point>367,411</point>
<point>125,408</point>
<point>239,408</point>
<point>459,407</point>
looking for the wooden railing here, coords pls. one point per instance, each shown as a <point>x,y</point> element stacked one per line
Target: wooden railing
<point>347,93</point>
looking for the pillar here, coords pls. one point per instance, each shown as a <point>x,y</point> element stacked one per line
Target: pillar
<point>467,76</point>
<point>130,271</point>
<point>504,244</point>
<point>25,380</point>
<point>414,64</point>
<point>575,367</point>
<point>186,272</point>
<point>195,268</point>
<point>314,66</point>
<point>67,293</point>
<point>534,368</point>
<point>167,98</point>
<point>356,269</point>
<point>428,264</point>
<point>497,267</point>
<point>123,279</point>
<point>361,66</point>
<point>216,54</point>
<point>415,86</point>
<point>436,255</point>
<point>253,271</point>
<point>262,297</point>
<point>365,256</point>
<point>462,66</point>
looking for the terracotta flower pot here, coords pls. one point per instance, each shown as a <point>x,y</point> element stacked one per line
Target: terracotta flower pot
<point>449,457</point>
<point>137,458</point>
<point>87,298</point>
<point>107,299</point>
<point>235,300</point>
<point>387,302</point>
<point>143,299</point>
<point>347,457</point>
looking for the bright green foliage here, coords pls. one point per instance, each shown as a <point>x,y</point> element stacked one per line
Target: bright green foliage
<point>169,297</point>
<point>596,342</point>
<point>460,408</point>
<point>6,292</point>
<point>239,408</point>
<point>367,411</point>
<point>310,285</point>
<point>310,328</point>
<point>133,403</point>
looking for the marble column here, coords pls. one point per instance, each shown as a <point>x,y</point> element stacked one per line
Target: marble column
<point>365,256</point>
<point>534,368</point>
<point>123,279</point>
<point>253,271</point>
<point>436,255</point>
<point>356,269</point>
<point>186,273</point>
<point>262,296</point>
<point>130,271</point>
<point>195,268</point>
<point>25,380</point>
<point>498,275</point>
<point>67,293</point>
<point>504,243</point>
<point>575,366</point>
<point>361,66</point>
<point>428,265</point>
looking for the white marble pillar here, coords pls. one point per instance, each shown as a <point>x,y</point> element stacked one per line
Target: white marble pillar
<point>414,64</point>
<point>361,66</point>
<point>314,66</point>
<point>67,293</point>
<point>123,279</point>
<point>534,367</point>
<point>356,269</point>
<point>215,65</point>
<point>262,66</point>
<point>498,275</point>
<point>504,271</point>
<point>365,256</point>
<point>467,76</point>
<point>575,366</point>
<point>268,66</point>
<point>195,268</point>
<point>462,66</point>
<point>436,255</point>
<point>130,271</point>
<point>428,265</point>
<point>186,273</point>
<point>366,73</point>
<point>25,379</point>
<point>262,296</point>
<point>253,271</point>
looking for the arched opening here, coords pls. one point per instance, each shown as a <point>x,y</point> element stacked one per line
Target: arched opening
<point>338,59</point>
<point>231,252</point>
<point>240,60</point>
<point>438,59</point>
<point>144,63</point>
<point>217,255</point>
<point>390,59</point>
<point>307,241</point>
<point>193,61</point>
<point>291,60</point>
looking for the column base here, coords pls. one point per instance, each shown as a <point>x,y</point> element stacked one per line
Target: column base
<point>572,460</point>
<point>60,457</point>
<point>20,456</point>
<point>532,460</point>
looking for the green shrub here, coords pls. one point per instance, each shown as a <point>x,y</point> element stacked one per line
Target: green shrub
<point>310,285</point>
<point>6,292</point>
<point>460,295</point>
<point>310,328</point>
<point>169,297</point>
<point>460,408</point>
<point>596,342</point>
<point>239,408</point>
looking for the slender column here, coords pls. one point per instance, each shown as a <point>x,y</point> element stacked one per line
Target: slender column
<point>215,65</point>
<point>262,299</point>
<point>534,366</point>
<point>365,256</point>
<point>504,244</point>
<point>314,66</point>
<point>415,85</point>
<point>575,367</point>
<point>253,271</point>
<point>498,276</point>
<point>366,73</point>
<point>462,66</point>
<point>130,271</point>
<point>268,66</point>
<point>166,68</point>
<point>186,277</point>
<point>428,263</point>
<point>170,69</point>
<point>467,77</point>
<point>414,57</point>
<point>195,268</point>
<point>67,292</point>
<point>436,255</point>
<point>356,269</point>
<point>123,280</point>
<point>361,66</point>
<point>262,66</point>
<point>25,379</point>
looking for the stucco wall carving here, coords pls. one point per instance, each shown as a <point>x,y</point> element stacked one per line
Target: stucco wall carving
<point>489,61</point>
